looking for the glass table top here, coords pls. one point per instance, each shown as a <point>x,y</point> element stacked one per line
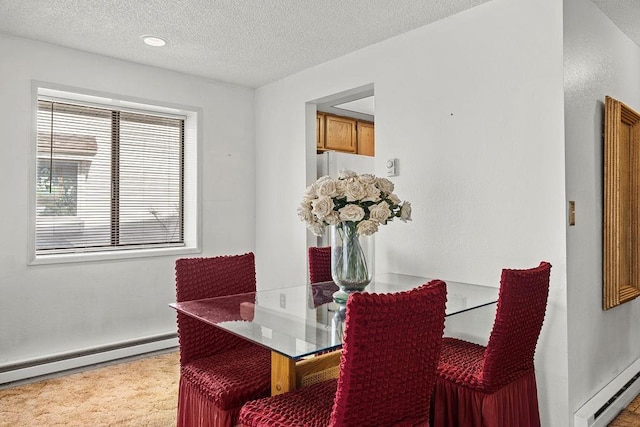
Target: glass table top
<point>299,321</point>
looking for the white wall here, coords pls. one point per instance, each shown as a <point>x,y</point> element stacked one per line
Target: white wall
<point>599,61</point>
<point>50,309</point>
<point>472,106</point>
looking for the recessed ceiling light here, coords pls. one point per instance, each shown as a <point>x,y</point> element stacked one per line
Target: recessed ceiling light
<point>154,41</point>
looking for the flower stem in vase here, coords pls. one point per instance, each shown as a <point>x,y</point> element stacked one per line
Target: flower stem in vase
<point>349,261</point>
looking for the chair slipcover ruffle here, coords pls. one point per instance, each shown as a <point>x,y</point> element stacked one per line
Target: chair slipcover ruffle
<point>196,410</point>
<point>231,378</point>
<point>213,389</point>
<point>515,404</point>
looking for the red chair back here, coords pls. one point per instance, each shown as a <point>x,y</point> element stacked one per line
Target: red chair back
<point>520,313</point>
<point>391,349</point>
<point>320,264</point>
<point>198,278</point>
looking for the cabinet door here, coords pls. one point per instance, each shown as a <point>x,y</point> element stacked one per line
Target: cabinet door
<point>366,139</point>
<point>320,131</point>
<point>340,134</point>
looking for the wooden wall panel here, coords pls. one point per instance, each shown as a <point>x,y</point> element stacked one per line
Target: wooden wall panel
<point>621,218</point>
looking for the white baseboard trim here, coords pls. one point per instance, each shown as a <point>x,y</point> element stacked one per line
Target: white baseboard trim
<point>86,357</point>
<point>602,408</point>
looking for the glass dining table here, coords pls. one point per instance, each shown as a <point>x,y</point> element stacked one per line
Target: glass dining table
<point>301,325</point>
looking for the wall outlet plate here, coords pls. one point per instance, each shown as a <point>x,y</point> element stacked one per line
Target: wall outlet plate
<point>283,300</point>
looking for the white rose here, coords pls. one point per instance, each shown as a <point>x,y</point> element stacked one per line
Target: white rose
<point>340,189</point>
<point>333,218</point>
<point>322,206</point>
<point>380,212</point>
<point>327,188</point>
<point>367,178</point>
<point>310,192</point>
<point>372,193</point>
<point>354,191</point>
<point>346,173</point>
<point>351,212</point>
<point>395,201</point>
<point>385,185</point>
<point>405,212</point>
<point>306,203</point>
<point>317,228</point>
<point>305,214</point>
<point>367,227</point>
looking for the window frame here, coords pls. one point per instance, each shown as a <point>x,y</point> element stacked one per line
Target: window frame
<point>192,187</point>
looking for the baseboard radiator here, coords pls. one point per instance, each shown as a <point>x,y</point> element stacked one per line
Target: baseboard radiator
<point>78,359</point>
<point>613,398</point>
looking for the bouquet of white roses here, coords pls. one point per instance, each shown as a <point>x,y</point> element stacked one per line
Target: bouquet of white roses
<point>365,200</point>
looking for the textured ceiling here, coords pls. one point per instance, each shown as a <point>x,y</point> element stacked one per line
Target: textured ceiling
<point>625,14</point>
<point>248,42</point>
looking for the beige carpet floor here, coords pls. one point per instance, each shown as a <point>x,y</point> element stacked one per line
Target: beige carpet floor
<point>630,416</point>
<point>142,392</point>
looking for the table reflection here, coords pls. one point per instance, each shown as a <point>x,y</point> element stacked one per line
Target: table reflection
<point>299,321</point>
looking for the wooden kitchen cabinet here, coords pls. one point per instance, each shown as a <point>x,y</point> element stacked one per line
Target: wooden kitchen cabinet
<point>340,134</point>
<point>366,138</point>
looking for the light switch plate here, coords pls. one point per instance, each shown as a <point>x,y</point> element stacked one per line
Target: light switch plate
<point>392,167</point>
<point>572,212</point>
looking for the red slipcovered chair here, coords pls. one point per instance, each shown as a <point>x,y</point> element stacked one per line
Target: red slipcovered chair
<point>496,385</point>
<point>320,264</point>
<point>219,372</point>
<point>387,368</point>
<point>320,271</point>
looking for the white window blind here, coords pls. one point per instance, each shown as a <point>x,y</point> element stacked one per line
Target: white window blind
<point>107,179</point>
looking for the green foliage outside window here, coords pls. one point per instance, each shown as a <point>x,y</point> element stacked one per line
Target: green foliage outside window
<point>57,191</point>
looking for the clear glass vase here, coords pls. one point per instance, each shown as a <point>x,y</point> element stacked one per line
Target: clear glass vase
<point>351,260</point>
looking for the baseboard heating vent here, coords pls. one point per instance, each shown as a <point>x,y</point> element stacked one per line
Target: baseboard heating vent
<point>613,398</point>
<point>616,396</point>
<point>86,357</point>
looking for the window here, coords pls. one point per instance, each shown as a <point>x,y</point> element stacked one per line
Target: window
<point>108,178</point>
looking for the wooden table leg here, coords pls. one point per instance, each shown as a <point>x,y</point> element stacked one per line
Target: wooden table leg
<point>283,373</point>
<point>287,374</point>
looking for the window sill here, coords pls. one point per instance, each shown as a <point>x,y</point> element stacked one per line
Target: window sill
<point>111,255</point>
